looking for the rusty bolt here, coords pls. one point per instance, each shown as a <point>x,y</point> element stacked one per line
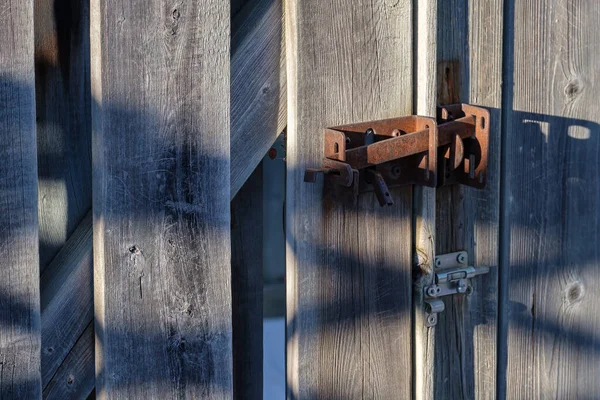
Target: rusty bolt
<point>272,153</point>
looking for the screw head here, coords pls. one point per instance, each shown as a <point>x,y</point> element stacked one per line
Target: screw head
<point>432,319</point>
<point>461,258</point>
<point>431,291</point>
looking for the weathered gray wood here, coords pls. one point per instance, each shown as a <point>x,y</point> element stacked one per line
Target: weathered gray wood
<point>19,264</point>
<point>258,86</point>
<point>73,301</point>
<point>67,301</point>
<point>425,35</point>
<point>62,68</point>
<point>348,266</point>
<point>247,288</point>
<point>75,377</point>
<point>469,70</point>
<point>160,78</point>
<point>552,199</point>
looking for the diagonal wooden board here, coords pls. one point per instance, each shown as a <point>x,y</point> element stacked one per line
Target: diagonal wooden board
<point>348,266</point>
<point>258,86</point>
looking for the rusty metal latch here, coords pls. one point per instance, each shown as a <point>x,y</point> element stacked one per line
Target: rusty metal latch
<point>453,276</point>
<point>377,155</point>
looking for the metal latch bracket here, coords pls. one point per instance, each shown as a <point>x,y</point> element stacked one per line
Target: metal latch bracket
<point>377,155</point>
<point>452,276</point>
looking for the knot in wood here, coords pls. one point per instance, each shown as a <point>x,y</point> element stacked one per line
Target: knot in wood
<point>574,292</point>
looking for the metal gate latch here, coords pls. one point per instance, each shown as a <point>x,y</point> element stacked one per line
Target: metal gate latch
<point>452,276</point>
<point>376,155</point>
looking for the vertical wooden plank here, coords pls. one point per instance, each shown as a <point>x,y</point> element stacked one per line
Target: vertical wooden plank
<point>247,287</point>
<point>19,265</point>
<point>348,265</point>
<point>469,70</point>
<point>425,35</point>
<point>62,78</point>
<point>551,199</point>
<point>160,119</point>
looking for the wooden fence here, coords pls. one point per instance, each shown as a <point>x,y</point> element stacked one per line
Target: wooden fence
<point>131,198</point>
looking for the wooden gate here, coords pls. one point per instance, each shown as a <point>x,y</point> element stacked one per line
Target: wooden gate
<point>131,199</point>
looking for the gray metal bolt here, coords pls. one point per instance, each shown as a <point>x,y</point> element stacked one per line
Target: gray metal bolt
<point>461,258</point>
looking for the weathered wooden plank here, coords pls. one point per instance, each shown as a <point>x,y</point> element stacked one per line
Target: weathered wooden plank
<point>247,288</point>
<point>62,69</point>
<point>19,265</point>
<point>67,301</point>
<point>258,86</point>
<point>348,265</point>
<point>552,199</point>
<point>160,81</point>
<point>75,377</point>
<point>469,70</point>
<point>425,36</point>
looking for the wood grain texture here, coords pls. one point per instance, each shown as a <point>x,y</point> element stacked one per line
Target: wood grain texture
<point>62,77</point>
<point>469,70</point>
<point>19,265</point>
<point>67,301</point>
<point>160,81</point>
<point>258,86</point>
<point>552,199</point>
<point>425,36</point>
<point>247,288</point>
<point>348,265</point>
<point>71,294</point>
<point>74,379</point>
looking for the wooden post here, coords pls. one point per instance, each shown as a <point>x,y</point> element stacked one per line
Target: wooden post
<point>19,264</point>
<point>348,265</point>
<point>465,66</point>
<point>551,197</point>
<point>160,84</point>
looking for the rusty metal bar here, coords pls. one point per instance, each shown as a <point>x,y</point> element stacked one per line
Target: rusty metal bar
<point>407,145</point>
